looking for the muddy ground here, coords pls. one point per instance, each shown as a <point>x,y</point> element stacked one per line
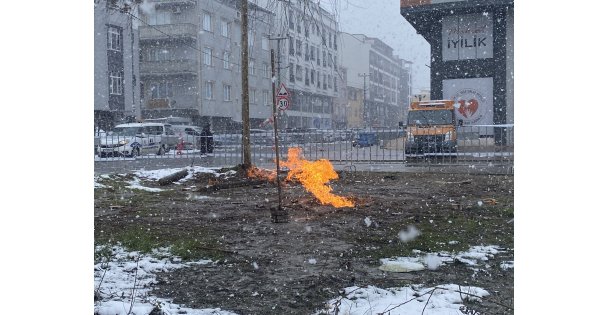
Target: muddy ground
<point>268,268</point>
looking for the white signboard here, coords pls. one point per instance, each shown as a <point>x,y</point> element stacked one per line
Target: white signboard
<point>474,98</point>
<point>468,36</point>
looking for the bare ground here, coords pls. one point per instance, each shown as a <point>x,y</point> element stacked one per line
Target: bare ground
<point>267,268</point>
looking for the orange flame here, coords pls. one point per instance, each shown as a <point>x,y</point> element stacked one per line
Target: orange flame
<point>314,176</point>
<point>260,173</point>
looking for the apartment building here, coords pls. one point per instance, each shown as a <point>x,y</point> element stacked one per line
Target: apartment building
<point>116,64</point>
<point>307,55</point>
<point>190,61</point>
<point>373,67</point>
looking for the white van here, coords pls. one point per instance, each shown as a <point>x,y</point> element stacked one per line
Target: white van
<point>137,138</point>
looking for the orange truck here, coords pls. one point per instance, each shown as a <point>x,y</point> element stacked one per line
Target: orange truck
<point>431,127</point>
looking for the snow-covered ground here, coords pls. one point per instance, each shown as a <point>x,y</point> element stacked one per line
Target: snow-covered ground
<point>123,282</point>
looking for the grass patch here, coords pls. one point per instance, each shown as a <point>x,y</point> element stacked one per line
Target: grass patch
<point>453,233</point>
<point>188,246</point>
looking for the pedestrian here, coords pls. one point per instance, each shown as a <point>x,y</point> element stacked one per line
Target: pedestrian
<point>206,140</point>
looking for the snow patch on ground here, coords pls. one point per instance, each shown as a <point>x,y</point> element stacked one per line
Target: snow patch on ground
<point>136,184</point>
<point>158,174</point>
<point>473,257</point>
<point>122,271</point>
<point>444,299</point>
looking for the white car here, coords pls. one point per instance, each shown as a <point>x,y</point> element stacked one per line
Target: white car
<point>134,139</point>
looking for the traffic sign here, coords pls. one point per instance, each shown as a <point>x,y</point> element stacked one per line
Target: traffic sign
<point>282,93</point>
<point>282,103</point>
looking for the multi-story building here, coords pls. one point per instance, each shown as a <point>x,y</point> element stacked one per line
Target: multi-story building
<point>471,57</point>
<point>340,102</point>
<point>190,61</point>
<point>116,64</point>
<point>373,67</point>
<point>307,53</point>
<point>354,107</point>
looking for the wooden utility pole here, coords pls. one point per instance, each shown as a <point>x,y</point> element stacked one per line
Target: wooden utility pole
<point>245,84</point>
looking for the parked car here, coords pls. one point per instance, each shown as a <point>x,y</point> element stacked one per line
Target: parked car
<point>365,139</point>
<point>137,138</point>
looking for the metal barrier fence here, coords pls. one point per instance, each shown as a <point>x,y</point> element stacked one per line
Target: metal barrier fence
<point>474,145</point>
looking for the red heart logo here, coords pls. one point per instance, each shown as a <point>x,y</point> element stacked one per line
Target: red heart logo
<point>467,109</point>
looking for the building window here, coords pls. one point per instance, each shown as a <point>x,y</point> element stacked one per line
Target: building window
<point>323,37</point>
<point>312,76</point>
<point>325,81</point>
<point>335,84</point>
<point>159,18</point>
<point>266,97</point>
<point>291,50</point>
<point>251,39</point>
<point>209,90</point>
<point>299,73</point>
<point>306,54</point>
<point>115,83</point>
<point>306,28</point>
<point>306,77</point>
<point>292,78</point>
<point>207,22</point>
<point>291,24</point>
<point>253,98</point>
<point>265,43</point>
<point>335,42</point>
<point>298,47</point>
<point>227,92</point>
<point>330,60</point>
<point>265,70</point>
<point>225,26</point>
<point>318,79</point>
<point>299,27</point>
<point>318,56</point>
<point>161,89</point>
<point>207,53</point>
<point>251,66</point>
<point>114,42</point>
<point>312,53</point>
<point>324,59</point>
<point>226,60</point>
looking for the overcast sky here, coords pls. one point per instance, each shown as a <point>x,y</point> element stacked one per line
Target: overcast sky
<point>382,19</point>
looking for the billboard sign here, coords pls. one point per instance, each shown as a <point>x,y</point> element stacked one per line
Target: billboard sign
<point>474,99</point>
<point>468,36</point>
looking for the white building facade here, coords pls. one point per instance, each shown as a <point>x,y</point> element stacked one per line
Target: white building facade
<point>373,67</point>
<point>306,41</point>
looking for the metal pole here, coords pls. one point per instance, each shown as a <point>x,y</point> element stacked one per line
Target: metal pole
<point>278,215</point>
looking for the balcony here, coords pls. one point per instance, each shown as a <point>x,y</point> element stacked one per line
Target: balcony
<point>168,32</point>
<point>172,67</point>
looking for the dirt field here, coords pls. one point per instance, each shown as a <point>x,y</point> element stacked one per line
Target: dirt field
<point>268,268</point>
